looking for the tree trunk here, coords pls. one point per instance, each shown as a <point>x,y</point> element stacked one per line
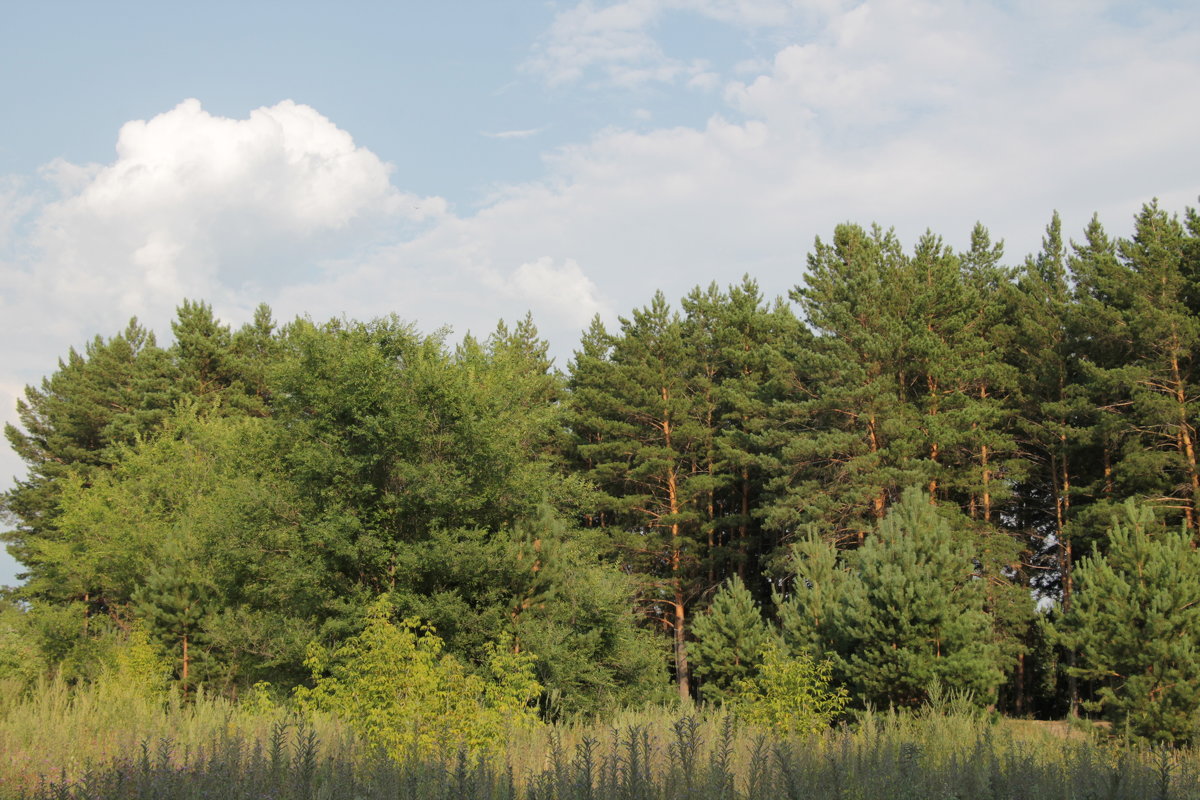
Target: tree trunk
<point>880,501</point>
<point>681,660</point>
<point>987,486</point>
<point>184,676</point>
<point>933,484</point>
<point>1186,446</point>
<point>933,447</point>
<point>743,555</point>
<point>987,470</point>
<point>1068,586</point>
<point>1020,704</point>
<point>680,618</point>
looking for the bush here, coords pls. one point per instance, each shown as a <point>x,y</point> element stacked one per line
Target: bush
<point>394,686</point>
<point>790,695</point>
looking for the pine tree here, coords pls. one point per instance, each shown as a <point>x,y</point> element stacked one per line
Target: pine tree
<point>636,422</point>
<point>846,442</point>
<point>1141,335</point>
<point>937,364</point>
<point>821,589</point>
<point>1136,625</point>
<point>202,349</point>
<point>1055,411</point>
<point>175,602</point>
<point>218,365</point>
<point>730,640</point>
<point>254,348</point>
<point>1166,334</point>
<point>990,462</point>
<point>757,342</point>
<point>907,609</point>
<point>1052,400</point>
<point>905,383</point>
<point>588,425</point>
<point>702,334</point>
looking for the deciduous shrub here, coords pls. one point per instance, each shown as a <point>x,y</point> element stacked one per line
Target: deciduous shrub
<point>790,694</point>
<point>397,689</point>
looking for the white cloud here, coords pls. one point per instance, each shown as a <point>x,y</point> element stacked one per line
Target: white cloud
<point>612,37</point>
<point>910,114</point>
<point>523,133</point>
<point>197,205</point>
<point>914,116</point>
<point>705,81</point>
<point>616,41</point>
<point>286,170</point>
<point>564,288</point>
<point>16,202</point>
<point>194,205</point>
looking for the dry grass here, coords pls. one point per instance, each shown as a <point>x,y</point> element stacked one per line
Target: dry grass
<point>110,743</point>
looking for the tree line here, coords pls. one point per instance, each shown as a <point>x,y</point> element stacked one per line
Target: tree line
<point>924,465</point>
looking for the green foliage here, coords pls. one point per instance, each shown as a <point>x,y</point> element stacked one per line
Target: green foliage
<point>136,664</point>
<point>790,694</point>
<point>392,437</point>
<point>175,602</point>
<point>65,642</point>
<point>901,611</point>
<point>195,523</point>
<point>215,749</point>
<point>396,688</point>
<point>662,414</point>
<point>847,440</point>
<point>1135,623</point>
<point>730,639</point>
<point>20,660</point>
<point>76,421</point>
<point>250,491</point>
<point>640,428</point>
<point>542,582</point>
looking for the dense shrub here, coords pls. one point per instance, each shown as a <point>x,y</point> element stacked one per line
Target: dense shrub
<point>397,689</point>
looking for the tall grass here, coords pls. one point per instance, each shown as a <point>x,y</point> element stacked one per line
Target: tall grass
<point>54,730</point>
<point>110,743</point>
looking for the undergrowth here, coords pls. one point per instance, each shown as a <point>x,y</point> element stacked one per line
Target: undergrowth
<point>62,744</point>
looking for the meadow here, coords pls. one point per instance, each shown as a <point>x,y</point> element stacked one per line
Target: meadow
<point>109,741</point>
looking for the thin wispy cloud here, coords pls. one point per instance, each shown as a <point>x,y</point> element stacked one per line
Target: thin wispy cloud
<point>616,43</point>
<point>524,133</point>
<point>911,114</point>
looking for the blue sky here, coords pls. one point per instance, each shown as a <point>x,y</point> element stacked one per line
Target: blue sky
<point>459,162</point>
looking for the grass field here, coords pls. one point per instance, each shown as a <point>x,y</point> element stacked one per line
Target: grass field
<point>111,742</point>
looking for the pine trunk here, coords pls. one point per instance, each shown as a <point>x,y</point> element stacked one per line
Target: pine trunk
<point>987,471</point>
<point>880,501</point>
<point>680,619</point>
<point>1186,446</point>
<point>185,662</point>
<point>743,555</point>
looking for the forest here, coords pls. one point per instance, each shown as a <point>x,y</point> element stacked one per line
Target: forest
<point>924,470</point>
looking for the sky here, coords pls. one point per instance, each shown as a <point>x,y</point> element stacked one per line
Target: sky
<point>458,162</point>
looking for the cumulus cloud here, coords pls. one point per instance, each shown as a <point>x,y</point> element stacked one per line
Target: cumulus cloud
<point>912,114</point>
<point>197,205</point>
<point>16,203</point>
<point>564,287</point>
<point>193,205</point>
<point>192,198</point>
